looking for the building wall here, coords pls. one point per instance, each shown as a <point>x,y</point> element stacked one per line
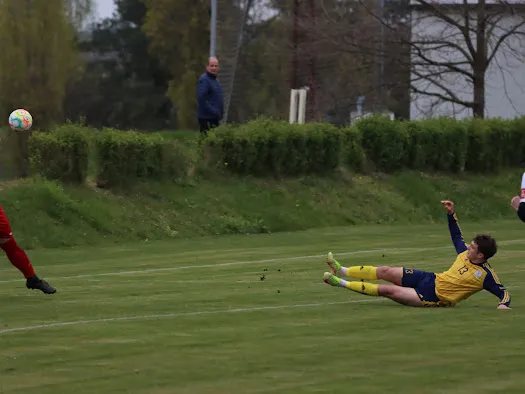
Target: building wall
<point>505,78</point>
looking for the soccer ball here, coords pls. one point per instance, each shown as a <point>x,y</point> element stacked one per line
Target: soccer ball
<point>20,120</point>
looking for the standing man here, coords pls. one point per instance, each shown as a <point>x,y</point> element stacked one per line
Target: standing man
<point>209,98</point>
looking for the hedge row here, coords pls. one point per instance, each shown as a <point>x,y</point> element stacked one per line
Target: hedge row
<point>443,144</point>
<point>116,158</point>
<point>265,147</point>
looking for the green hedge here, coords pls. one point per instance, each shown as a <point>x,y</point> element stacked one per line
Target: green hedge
<point>62,154</point>
<point>265,147</point>
<point>124,157</point>
<point>115,157</point>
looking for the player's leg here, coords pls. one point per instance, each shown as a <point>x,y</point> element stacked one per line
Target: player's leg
<point>204,126</point>
<point>402,295</point>
<point>18,257</point>
<point>366,272</point>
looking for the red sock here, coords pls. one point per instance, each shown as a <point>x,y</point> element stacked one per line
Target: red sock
<point>18,258</point>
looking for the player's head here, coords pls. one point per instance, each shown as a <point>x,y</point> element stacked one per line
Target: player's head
<point>213,65</point>
<point>482,248</point>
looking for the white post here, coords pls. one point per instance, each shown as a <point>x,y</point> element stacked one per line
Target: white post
<point>293,106</point>
<point>302,106</point>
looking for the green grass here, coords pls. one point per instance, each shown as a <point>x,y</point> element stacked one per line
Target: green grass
<point>195,317</point>
<point>46,214</point>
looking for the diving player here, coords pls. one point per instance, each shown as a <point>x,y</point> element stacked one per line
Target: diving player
<point>469,274</point>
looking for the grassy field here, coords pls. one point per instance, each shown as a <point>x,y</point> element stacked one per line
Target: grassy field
<point>230,205</point>
<point>250,314</point>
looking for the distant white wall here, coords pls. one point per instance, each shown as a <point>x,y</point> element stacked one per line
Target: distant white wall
<point>505,78</point>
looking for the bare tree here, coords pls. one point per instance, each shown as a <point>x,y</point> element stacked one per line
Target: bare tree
<point>453,43</point>
<point>333,57</point>
<point>445,48</point>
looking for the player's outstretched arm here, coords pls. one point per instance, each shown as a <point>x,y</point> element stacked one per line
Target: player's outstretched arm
<point>493,284</point>
<point>453,226</point>
<point>518,206</point>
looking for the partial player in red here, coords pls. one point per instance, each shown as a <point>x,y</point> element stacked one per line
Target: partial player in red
<point>19,259</point>
<point>518,202</point>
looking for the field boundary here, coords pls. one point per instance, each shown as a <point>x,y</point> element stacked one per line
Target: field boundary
<point>221,311</point>
<point>181,314</point>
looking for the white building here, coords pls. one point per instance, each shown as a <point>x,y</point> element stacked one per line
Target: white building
<point>442,42</point>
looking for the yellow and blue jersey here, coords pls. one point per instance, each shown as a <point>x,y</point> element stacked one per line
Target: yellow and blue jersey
<point>465,278</point>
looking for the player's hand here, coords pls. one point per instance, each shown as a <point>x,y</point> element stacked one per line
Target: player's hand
<point>503,306</point>
<point>449,205</point>
<point>515,202</point>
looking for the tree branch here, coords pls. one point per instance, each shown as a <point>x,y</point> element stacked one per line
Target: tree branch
<point>500,41</point>
<point>442,97</point>
<point>464,29</point>
<point>452,97</point>
<point>419,53</point>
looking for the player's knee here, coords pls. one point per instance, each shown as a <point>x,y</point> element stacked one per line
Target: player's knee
<point>4,240</point>
<point>385,272</point>
<point>384,291</point>
<point>521,211</point>
<point>388,291</point>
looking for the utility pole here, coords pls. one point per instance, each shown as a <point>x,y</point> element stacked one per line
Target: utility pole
<point>295,12</point>
<point>312,81</point>
<point>213,28</point>
<point>382,54</point>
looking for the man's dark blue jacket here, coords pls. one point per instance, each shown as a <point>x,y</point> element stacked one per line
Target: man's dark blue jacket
<point>209,97</point>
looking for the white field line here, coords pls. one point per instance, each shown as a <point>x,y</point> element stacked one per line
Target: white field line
<point>224,311</point>
<point>234,263</point>
<point>246,262</point>
<point>177,315</point>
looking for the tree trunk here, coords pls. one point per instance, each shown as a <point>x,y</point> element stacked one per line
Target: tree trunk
<point>478,108</point>
<point>480,62</point>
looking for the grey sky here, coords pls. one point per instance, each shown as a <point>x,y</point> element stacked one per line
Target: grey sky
<point>104,8</point>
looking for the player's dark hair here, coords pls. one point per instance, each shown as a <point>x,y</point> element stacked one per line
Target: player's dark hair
<point>486,245</point>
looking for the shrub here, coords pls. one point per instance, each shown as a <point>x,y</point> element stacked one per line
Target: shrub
<point>385,142</point>
<point>61,154</point>
<point>265,147</point>
<point>124,156</point>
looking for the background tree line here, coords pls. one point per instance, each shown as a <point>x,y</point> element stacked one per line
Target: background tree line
<point>138,69</point>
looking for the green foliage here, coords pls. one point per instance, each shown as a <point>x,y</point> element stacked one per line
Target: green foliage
<point>13,154</point>
<point>437,144</point>
<point>353,154</point>
<point>38,58</point>
<point>481,156</point>
<point>61,154</point>
<point>83,215</point>
<point>127,89</point>
<point>124,157</point>
<point>264,147</point>
<point>180,40</point>
<point>385,142</point>
<point>515,148</point>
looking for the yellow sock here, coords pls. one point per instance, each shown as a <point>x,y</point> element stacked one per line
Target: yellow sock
<point>363,288</point>
<point>365,272</point>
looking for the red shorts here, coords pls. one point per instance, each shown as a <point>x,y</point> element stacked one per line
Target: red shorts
<point>5,227</point>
